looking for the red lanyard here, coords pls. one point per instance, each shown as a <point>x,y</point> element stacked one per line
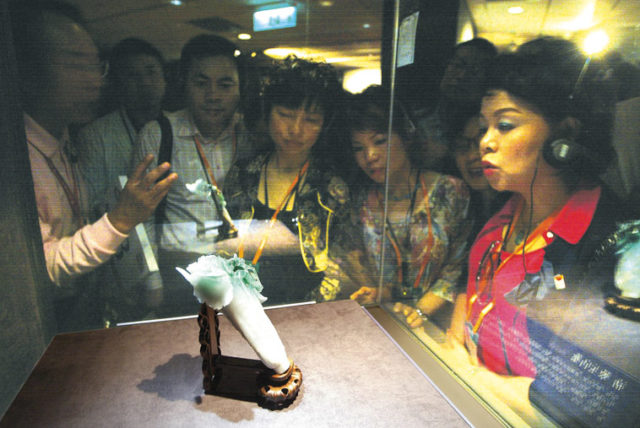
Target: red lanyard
<point>430,239</point>
<point>487,279</point>
<point>274,217</point>
<point>73,196</point>
<point>205,162</point>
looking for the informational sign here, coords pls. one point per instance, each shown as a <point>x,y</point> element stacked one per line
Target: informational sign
<point>274,19</point>
<point>407,40</point>
<point>577,388</point>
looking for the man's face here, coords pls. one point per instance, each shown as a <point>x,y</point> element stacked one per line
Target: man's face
<point>464,76</point>
<point>142,83</point>
<point>213,92</point>
<point>75,72</point>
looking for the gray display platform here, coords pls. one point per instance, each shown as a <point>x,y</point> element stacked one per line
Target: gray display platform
<point>148,375</point>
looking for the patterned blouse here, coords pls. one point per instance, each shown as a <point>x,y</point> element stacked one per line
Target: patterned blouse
<point>321,200</point>
<point>448,200</point>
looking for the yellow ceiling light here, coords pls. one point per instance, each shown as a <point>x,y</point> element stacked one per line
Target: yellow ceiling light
<point>244,36</point>
<point>595,42</point>
<point>582,21</point>
<point>515,10</point>
<point>279,53</point>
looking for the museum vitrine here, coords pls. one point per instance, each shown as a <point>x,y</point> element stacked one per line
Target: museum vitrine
<point>392,228</point>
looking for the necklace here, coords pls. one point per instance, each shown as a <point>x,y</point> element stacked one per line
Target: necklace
<point>410,193</point>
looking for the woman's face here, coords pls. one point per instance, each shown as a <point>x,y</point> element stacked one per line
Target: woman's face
<point>370,151</point>
<point>511,147</point>
<point>295,130</point>
<point>467,155</point>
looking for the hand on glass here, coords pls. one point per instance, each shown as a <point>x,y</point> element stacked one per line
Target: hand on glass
<point>414,317</point>
<point>365,295</point>
<point>141,195</point>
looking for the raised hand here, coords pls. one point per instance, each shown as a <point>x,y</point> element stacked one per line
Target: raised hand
<point>141,195</point>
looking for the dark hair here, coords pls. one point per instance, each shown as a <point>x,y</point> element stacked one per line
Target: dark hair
<point>131,47</point>
<point>295,82</point>
<point>481,45</point>
<point>31,44</point>
<point>553,77</point>
<point>369,110</point>
<point>208,45</point>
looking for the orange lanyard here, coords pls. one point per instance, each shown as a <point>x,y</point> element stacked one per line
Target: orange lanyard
<point>538,232</point>
<point>205,162</point>
<point>274,217</point>
<point>430,239</point>
<point>73,196</point>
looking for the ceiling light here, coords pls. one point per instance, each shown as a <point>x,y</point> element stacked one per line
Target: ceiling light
<point>595,42</point>
<point>176,2</point>
<point>237,53</point>
<point>279,53</point>
<point>326,3</point>
<point>244,36</point>
<point>515,10</point>
<point>366,25</point>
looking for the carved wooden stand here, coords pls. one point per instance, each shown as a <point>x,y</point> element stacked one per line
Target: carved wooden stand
<point>242,378</point>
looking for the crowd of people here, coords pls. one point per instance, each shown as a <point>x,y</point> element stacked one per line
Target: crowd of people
<point>486,215</point>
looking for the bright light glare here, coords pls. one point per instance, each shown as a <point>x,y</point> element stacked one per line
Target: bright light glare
<point>356,81</point>
<point>176,2</point>
<point>244,36</point>
<point>515,10</point>
<point>595,42</point>
<point>280,53</point>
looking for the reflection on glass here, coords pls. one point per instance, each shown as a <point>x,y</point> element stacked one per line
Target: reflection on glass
<point>522,325</point>
<point>541,325</point>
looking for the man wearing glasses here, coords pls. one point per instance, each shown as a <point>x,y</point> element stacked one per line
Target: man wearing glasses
<point>60,80</point>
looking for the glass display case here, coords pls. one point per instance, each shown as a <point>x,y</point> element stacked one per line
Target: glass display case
<point>388,211</point>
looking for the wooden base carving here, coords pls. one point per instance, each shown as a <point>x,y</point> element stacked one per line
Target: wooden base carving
<point>623,307</point>
<point>240,378</point>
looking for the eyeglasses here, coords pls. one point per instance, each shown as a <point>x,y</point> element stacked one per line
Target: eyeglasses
<point>101,68</point>
<point>460,65</point>
<point>487,268</point>
<point>489,265</point>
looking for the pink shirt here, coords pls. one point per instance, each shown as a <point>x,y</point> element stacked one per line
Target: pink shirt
<point>69,249</point>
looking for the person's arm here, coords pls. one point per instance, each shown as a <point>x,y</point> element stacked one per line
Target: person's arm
<point>93,244</point>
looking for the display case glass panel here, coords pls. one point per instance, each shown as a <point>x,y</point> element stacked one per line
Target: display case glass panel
<point>402,241</point>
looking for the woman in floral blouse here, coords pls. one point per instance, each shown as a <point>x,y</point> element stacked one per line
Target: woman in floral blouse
<point>426,228</point>
<point>292,181</point>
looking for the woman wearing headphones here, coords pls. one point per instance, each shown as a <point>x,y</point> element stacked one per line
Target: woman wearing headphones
<point>533,270</point>
<point>426,228</point>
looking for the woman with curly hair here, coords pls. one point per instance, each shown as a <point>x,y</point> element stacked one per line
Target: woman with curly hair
<point>292,180</point>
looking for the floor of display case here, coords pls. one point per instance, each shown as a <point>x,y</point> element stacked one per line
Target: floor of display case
<point>149,375</point>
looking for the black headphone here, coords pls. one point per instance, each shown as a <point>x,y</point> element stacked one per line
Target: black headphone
<point>563,153</point>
